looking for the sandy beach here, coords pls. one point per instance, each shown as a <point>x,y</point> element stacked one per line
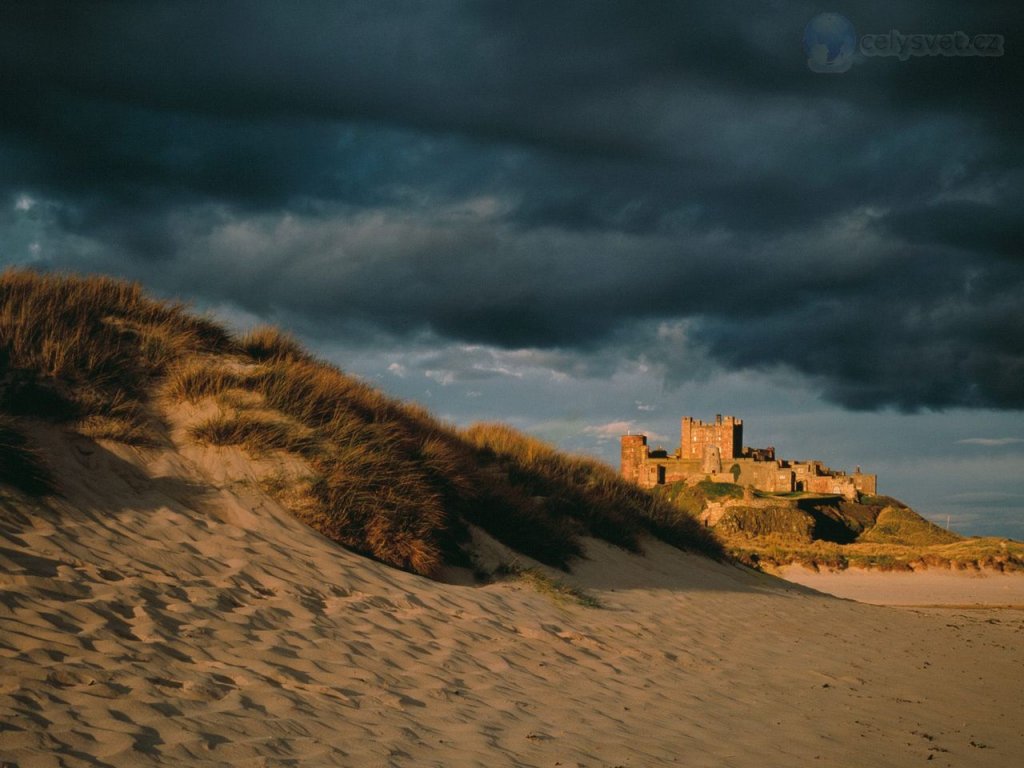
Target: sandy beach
<point>165,612</point>
<point>938,587</point>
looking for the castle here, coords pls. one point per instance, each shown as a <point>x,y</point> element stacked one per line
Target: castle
<point>716,451</point>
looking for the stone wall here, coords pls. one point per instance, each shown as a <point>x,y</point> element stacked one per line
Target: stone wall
<point>770,476</point>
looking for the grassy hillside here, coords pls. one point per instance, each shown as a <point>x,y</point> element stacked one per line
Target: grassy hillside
<point>901,525</point>
<point>828,531</point>
<point>384,477</point>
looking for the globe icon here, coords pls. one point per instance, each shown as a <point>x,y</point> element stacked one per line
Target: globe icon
<point>829,43</point>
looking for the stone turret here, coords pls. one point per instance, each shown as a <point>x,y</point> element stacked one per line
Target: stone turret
<point>634,454</point>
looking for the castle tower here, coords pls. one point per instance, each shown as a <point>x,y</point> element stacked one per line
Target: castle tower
<point>634,453</point>
<point>725,433</point>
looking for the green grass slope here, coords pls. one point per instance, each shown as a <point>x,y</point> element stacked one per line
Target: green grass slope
<point>901,525</point>
<point>385,478</point>
<point>827,531</point>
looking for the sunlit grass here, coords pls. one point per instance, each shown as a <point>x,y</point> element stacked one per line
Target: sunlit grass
<point>385,478</point>
<point>257,434</point>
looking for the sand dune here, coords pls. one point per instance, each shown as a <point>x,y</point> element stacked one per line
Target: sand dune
<point>165,612</point>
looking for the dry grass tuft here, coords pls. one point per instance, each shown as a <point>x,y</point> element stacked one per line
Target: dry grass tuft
<point>269,343</point>
<point>119,429</point>
<point>194,379</point>
<point>257,434</point>
<point>381,506</point>
<point>74,347</point>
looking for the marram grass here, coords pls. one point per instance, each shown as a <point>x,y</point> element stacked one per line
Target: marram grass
<point>385,478</point>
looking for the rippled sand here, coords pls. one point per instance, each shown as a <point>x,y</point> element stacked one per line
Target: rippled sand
<point>165,612</point>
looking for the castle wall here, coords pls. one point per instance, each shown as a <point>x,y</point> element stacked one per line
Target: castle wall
<point>804,473</point>
<point>677,470</point>
<point>652,472</point>
<point>866,483</point>
<point>839,485</point>
<point>768,476</point>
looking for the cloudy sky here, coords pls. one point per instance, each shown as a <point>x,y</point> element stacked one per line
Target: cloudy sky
<point>578,217</point>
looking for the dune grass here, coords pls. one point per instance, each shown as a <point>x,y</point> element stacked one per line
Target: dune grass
<point>194,379</point>
<point>396,484</point>
<point>78,347</point>
<point>268,343</point>
<point>257,434</point>
<point>385,477</point>
<point>377,485</point>
<point>130,429</point>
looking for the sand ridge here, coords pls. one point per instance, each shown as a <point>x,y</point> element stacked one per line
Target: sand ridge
<point>166,612</point>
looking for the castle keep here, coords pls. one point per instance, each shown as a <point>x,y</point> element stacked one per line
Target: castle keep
<point>716,451</point>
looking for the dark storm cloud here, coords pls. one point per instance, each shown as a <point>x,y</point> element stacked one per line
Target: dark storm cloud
<point>542,175</point>
<point>967,224</point>
<point>911,352</point>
